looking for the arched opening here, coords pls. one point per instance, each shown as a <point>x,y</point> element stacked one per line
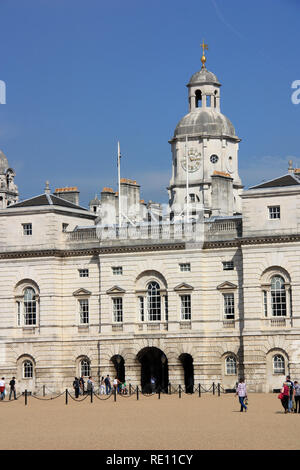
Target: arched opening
<point>188,368</point>
<point>198,96</point>
<point>154,365</point>
<point>119,364</point>
<point>215,99</point>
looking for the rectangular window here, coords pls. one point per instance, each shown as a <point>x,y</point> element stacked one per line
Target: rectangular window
<point>27,229</point>
<point>229,306</point>
<point>84,311</point>
<point>83,272</point>
<point>228,265</point>
<point>118,309</point>
<point>18,313</point>
<point>274,212</point>
<point>185,307</point>
<point>117,270</point>
<point>142,308</point>
<point>64,227</point>
<point>166,308</point>
<point>185,266</point>
<point>30,312</point>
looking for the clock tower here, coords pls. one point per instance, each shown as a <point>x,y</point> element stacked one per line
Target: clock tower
<point>204,154</point>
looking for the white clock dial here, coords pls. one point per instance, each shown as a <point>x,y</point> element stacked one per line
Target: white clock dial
<point>193,160</point>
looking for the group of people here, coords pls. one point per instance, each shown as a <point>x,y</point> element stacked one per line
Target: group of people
<point>106,386</point>
<point>290,396</point>
<point>12,388</point>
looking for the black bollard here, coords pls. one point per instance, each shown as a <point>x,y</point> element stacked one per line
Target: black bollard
<point>159,393</point>
<point>219,390</point>
<point>179,390</point>
<point>213,388</point>
<point>170,389</point>
<point>66,396</point>
<point>115,394</point>
<point>26,397</point>
<point>130,390</point>
<point>92,395</point>
<point>199,390</point>
<point>137,392</point>
<point>44,390</point>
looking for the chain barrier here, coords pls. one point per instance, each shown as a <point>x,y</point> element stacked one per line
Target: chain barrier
<point>76,399</point>
<point>106,397</point>
<point>46,399</point>
<point>9,401</point>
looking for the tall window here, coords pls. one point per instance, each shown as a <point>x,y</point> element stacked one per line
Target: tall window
<point>84,311</point>
<point>228,306</point>
<point>185,307</point>
<point>278,297</point>
<point>29,306</point>
<point>142,309</point>
<point>27,370</point>
<point>278,364</point>
<point>230,365</point>
<point>154,301</point>
<point>118,309</point>
<point>85,368</point>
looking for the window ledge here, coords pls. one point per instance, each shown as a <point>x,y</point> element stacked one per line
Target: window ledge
<point>229,323</point>
<point>117,327</point>
<point>185,324</point>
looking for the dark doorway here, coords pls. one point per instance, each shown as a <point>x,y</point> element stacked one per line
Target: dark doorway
<point>119,364</point>
<point>154,363</point>
<point>188,367</point>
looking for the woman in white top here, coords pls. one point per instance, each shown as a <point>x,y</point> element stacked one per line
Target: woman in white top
<point>241,391</point>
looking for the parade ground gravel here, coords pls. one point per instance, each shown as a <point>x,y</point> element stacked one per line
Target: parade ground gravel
<point>168,423</point>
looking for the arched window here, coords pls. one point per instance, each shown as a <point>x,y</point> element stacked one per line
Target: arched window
<point>278,364</point>
<point>230,365</point>
<point>278,296</point>
<point>85,368</point>
<point>154,301</point>
<point>27,370</point>
<point>198,95</point>
<point>29,306</point>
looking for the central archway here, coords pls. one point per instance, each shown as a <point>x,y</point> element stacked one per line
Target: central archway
<point>154,363</point>
<point>188,367</point>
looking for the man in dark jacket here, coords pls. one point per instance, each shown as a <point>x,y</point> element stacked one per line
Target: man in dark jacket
<point>76,387</point>
<point>12,385</point>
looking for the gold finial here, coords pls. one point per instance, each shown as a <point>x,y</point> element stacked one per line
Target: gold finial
<point>203,58</point>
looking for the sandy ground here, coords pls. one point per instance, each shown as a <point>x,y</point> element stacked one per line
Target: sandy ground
<point>209,422</point>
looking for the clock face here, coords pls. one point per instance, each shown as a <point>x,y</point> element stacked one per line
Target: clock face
<point>193,159</point>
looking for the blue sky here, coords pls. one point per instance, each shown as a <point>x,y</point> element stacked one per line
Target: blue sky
<point>81,75</point>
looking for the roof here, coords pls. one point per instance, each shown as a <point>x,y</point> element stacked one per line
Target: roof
<point>285,180</point>
<point>206,121</point>
<point>46,200</point>
<point>203,76</point>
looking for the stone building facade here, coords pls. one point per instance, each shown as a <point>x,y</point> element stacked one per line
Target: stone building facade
<point>198,299</point>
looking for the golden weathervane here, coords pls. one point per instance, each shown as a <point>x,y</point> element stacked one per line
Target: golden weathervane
<point>203,58</point>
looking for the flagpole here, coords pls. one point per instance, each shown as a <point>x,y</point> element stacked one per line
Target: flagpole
<point>119,183</point>
<point>187,181</point>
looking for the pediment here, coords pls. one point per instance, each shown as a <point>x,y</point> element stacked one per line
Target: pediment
<point>115,290</point>
<point>227,285</point>
<point>82,291</point>
<point>183,286</point>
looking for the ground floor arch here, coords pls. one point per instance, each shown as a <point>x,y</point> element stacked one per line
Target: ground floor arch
<point>119,364</point>
<point>154,364</point>
<point>188,369</point>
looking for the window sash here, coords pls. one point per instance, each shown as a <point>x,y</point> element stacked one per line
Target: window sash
<point>84,311</point>
<point>228,306</point>
<point>231,366</point>
<point>184,267</point>
<point>118,310</point>
<point>85,368</point>
<point>278,365</point>
<point>30,312</point>
<point>27,229</point>
<point>274,212</point>
<point>186,312</point>
<point>117,270</point>
<point>28,370</point>
<point>83,273</point>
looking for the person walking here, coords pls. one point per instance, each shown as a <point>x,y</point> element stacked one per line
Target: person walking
<point>107,385</point>
<point>297,396</point>
<point>2,388</point>
<point>102,386</point>
<point>116,383</point>
<point>241,392</point>
<point>12,385</point>
<point>89,386</point>
<point>285,393</point>
<point>291,393</point>
<point>81,385</point>
<point>76,387</point>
